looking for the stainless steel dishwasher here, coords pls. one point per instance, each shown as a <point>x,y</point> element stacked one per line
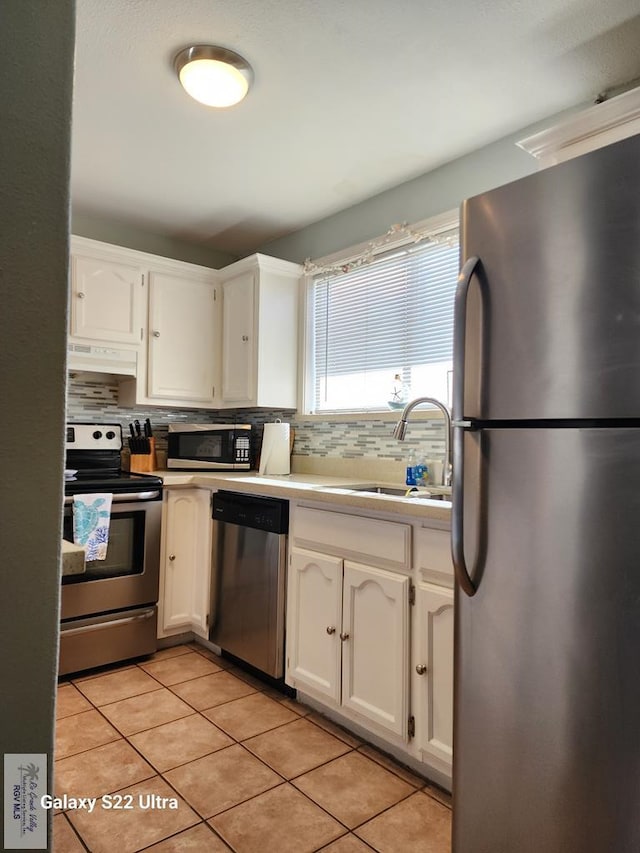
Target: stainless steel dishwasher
<point>248,578</point>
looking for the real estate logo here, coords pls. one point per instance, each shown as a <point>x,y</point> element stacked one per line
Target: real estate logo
<point>25,819</point>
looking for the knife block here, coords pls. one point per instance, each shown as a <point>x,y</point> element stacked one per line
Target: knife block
<point>144,463</point>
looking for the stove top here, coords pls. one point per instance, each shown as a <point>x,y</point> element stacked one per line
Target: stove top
<point>93,451</point>
<point>86,482</point>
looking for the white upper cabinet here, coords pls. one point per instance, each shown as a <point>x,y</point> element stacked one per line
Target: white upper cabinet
<point>238,376</point>
<point>260,333</point>
<point>182,358</point>
<point>106,295</point>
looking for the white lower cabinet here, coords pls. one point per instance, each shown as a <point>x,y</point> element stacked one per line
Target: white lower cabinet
<point>370,629</point>
<point>314,622</point>
<point>433,674</point>
<point>375,649</point>
<point>185,562</point>
<point>348,630</point>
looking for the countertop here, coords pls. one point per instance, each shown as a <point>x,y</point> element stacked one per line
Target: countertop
<point>73,562</point>
<point>317,488</point>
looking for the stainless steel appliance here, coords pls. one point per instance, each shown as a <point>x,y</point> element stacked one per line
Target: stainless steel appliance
<point>248,579</point>
<point>109,613</point>
<point>546,512</point>
<point>217,447</point>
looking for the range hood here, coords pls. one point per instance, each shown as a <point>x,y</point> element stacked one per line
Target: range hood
<point>92,359</point>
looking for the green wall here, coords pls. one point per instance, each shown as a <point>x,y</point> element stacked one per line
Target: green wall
<point>110,231</point>
<point>36,67</point>
<point>435,192</point>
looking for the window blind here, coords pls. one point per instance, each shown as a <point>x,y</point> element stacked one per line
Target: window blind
<point>393,314</point>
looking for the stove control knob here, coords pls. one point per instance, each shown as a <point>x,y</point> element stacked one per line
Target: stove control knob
<point>97,434</point>
<point>111,435</point>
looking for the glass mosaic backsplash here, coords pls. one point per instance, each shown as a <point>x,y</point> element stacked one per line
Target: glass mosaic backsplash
<point>96,399</point>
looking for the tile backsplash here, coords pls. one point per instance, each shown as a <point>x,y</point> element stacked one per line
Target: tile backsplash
<point>96,398</point>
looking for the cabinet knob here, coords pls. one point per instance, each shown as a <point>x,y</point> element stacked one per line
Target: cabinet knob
<point>331,630</point>
<point>344,637</point>
<point>421,669</point>
<point>245,338</point>
<point>156,333</point>
<point>172,557</point>
<point>80,295</point>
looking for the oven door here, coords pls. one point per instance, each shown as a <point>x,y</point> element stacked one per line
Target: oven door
<point>129,576</point>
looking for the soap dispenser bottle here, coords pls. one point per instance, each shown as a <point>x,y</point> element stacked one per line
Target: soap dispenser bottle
<point>410,479</point>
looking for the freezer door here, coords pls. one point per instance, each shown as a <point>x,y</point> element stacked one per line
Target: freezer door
<point>553,319</point>
<point>547,686</point>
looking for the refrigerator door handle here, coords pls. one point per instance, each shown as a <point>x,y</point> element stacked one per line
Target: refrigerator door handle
<point>459,329</point>
<point>457,522</point>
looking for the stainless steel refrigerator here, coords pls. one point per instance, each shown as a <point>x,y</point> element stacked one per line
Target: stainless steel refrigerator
<point>546,512</point>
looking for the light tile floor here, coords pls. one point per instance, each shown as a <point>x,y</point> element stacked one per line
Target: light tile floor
<point>251,770</point>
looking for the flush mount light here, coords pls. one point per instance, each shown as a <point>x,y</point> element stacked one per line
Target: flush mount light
<point>214,76</point>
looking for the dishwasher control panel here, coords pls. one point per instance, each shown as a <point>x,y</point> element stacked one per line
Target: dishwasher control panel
<point>255,511</point>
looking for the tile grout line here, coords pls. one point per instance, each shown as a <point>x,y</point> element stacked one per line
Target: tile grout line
<point>262,690</point>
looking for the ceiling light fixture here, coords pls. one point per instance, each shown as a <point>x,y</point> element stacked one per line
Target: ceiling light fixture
<point>214,76</point>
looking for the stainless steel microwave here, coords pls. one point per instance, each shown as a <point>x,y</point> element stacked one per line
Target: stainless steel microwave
<point>209,447</point>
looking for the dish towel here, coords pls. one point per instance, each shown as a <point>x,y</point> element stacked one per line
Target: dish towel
<point>91,517</point>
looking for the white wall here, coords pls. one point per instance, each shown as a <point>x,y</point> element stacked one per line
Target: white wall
<point>36,67</point>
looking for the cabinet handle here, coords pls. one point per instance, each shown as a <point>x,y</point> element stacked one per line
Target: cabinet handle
<point>156,333</point>
<point>80,295</point>
<point>331,630</point>
<point>344,637</point>
<point>172,557</point>
<point>421,669</point>
<point>245,337</point>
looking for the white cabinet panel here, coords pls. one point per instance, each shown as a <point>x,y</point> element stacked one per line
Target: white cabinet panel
<point>106,300</point>
<point>371,541</point>
<point>238,339</point>
<point>375,660</point>
<point>260,332</point>
<point>434,687</point>
<point>313,622</point>
<point>433,556</point>
<point>186,561</point>
<point>182,355</point>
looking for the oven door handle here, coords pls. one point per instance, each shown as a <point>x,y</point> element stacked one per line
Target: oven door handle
<point>123,497</point>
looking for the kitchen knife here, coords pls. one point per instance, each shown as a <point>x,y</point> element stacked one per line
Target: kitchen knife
<point>147,428</point>
<point>132,431</point>
<point>138,430</point>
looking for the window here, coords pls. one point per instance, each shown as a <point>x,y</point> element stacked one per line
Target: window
<point>382,332</point>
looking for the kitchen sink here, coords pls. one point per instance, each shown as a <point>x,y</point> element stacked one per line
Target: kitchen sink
<point>434,493</point>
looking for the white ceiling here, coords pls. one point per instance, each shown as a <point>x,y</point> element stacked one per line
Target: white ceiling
<point>350,97</point>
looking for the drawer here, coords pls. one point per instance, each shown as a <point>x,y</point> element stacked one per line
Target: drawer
<point>433,556</point>
<point>364,540</point>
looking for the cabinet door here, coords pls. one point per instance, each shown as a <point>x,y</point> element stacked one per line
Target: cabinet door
<point>181,338</point>
<point>186,560</point>
<point>313,623</point>
<point>201,590</point>
<point>106,300</point>
<point>434,687</point>
<point>238,339</point>
<point>375,657</point>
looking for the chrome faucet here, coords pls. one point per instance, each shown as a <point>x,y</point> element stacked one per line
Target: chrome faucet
<point>400,431</point>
